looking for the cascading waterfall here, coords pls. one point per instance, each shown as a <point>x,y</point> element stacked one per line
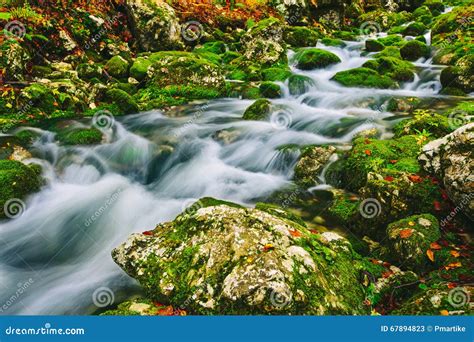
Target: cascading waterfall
<point>152,166</point>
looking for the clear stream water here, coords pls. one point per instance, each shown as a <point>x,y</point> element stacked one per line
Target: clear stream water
<point>152,166</point>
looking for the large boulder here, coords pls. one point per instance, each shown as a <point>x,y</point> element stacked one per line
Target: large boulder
<point>311,163</point>
<point>221,258</point>
<point>451,160</point>
<point>460,76</point>
<point>155,25</point>
<point>264,44</point>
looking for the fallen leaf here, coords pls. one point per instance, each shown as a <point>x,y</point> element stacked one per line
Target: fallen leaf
<point>148,232</point>
<point>430,254</point>
<point>167,311</point>
<point>444,313</point>
<point>387,274</point>
<point>415,178</point>
<point>452,265</point>
<point>368,152</point>
<point>411,223</point>
<point>388,178</point>
<point>268,247</point>
<point>437,206</point>
<point>455,254</point>
<point>406,233</point>
<point>452,285</point>
<point>314,231</point>
<point>393,161</point>
<point>436,246</point>
<point>295,233</point>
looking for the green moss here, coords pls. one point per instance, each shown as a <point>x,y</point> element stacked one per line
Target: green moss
<point>308,59</point>
<point>299,84</point>
<point>280,212</point>
<point>16,181</point>
<point>270,90</point>
<point>394,68</point>
<point>41,71</point>
<point>229,56</point>
<point>391,40</point>
<point>123,100</point>
<point>259,110</point>
<point>363,77</point>
<point>333,42</point>
<point>414,29</point>
<point>298,36</point>
<point>343,208</point>
<point>117,67</point>
<point>244,70</point>
<point>276,74</point>
<point>217,47</point>
<point>434,124</point>
<point>88,71</point>
<point>80,136</point>
<point>413,50</point>
<point>41,97</point>
<point>372,45</point>
<point>139,68</point>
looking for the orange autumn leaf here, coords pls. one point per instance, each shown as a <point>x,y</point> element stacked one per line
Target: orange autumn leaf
<point>455,254</point>
<point>368,152</point>
<point>406,233</point>
<point>430,254</point>
<point>167,311</point>
<point>415,178</point>
<point>295,233</point>
<point>452,265</point>
<point>268,247</point>
<point>436,246</point>
<point>444,313</point>
<point>452,285</point>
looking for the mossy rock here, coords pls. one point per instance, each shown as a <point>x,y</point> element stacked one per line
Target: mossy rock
<point>243,70</point>
<point>299,84</point>
<point>17,180</point>
<point>311,163</point>
<point>217,47</point>
<point>123,100</point>
<point>391,40</point>
<point>88,71</point>
<point>364,77</point>
<point>410,238</point>
<point>414,29</point>
<point>41,71</point>
<point>117,67</point>
<point>80,136</point>
<point>434,124</point>
<point>414,50</point>
<point>389,51</point>
<point>333,42</point>
<point>372,45</point>
<point>229,56</point>
<point>139,68</point>
<point>39,96</point>
<point>460,76</point>
<point>308,59</point>
<point>276,74</point>
<point>394,68</point>
<point>196,260</point>
<point>259,110</point>
<point>270,90</point>
<point>299,36</point>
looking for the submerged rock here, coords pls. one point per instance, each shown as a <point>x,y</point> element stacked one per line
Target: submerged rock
<point>258,110</point>
<point>451,160</point>
<point>311,163</point>
<point>220,258</point>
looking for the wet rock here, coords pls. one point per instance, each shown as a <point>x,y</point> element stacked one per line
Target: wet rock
<point>258,110</point>
<point>451,160</point>
<point>299,84</point>
<point>313,58</point>
<point>155,25</point>
<point>16,60</point>
<point>300,36</point>
<point>364,77</point>
<point>460,76</point>
<point>220,258</point>
<point>311,163</point>
<point>414,49</point>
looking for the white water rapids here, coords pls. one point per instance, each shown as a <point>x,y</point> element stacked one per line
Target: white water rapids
<point>154,165</point>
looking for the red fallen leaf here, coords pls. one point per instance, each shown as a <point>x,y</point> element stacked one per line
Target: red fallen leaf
<point>443,243</point>
<point>375,261</point>
<point>452,285</point>
<point>295,233</point>
<point>388,178</point>
<point>430,254</point>
<point>148,232</point>
<point>167,311</point>
<point>452,265</point>
<point>386,264</point>
<point>368,152</point>
<point>387,274</point>
<point>436,246</point>
<point>444,195</point>
<point>158,304</point>
<point>393,161</point>
<point>455,254</point>
<point>314,231</point>
<point>415,178</point>
<point>434,181</point>
<point>367,302</point>
<point>437,205</point>
<point>268,247</point>
<point>406,233</point>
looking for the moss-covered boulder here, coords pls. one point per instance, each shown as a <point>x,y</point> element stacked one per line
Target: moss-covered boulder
<point>276,74</point>
<point>139,68</point>
<point>14,60</point>
<point>364,77</point>
<point>308,59</point>
<point>434,124</point>
<point>460,76</point>
<point>298,36</point>
<point>80,136</point>
<point>414,29</point>
<point>263,43</point>
<point>123,100</point>
<point>372,45</point>
<point>413,50</point>
<point>117,67</point>
<point>39,96</point>
<point>220,258</point>
<point>395,68</point>
<point>311,163</point>
<point>270,90</point>
<point>409,240</point>
<point>89,70</point>
<point>299,84</point>
<point>17,180</point>
<point>258,110</point>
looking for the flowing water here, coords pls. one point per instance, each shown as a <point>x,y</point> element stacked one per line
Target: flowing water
<point>152,166</point>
